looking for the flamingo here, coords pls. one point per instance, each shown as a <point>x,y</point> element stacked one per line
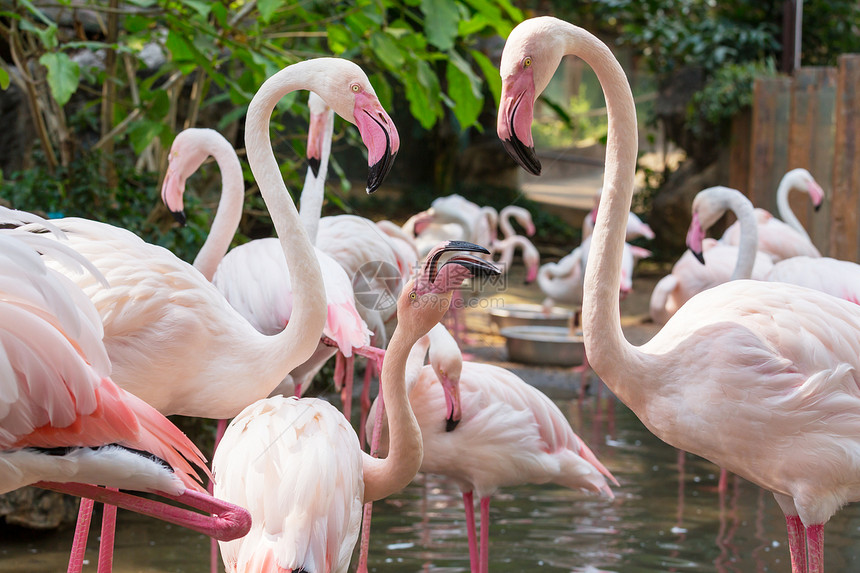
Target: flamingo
<point>508,433</point>
<point>745,358</point>
<point>636,227</point>
<point>521,215</point>
<point>825,274</point>
<point>787,238</point>
<point>62,418</point>
<point>164,322</point>
<point>505,249</point>
<point>296,463</point>
<point>725,262</point>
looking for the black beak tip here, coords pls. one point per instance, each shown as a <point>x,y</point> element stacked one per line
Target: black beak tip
<point>379,171</point>
<point>818,207</point>
<point>179,217</point>
<point>465,246</point>
<point>699,256</point>
<point>314,164</point>
<point>450,424</point>
<point>524,156</point>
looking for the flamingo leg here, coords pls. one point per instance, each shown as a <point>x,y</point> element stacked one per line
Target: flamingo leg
<point>485,535</point>
<point>796,543</point>
<point>348,374</point>
<point>82,530</point>
<point>106,542</point>
<point>469,503</point>
<point>365,403</point>
<point>368,507</point>
<point>226,523</point>
<point>213,543</point>
<point>723,484</point>
<point>815,547</point>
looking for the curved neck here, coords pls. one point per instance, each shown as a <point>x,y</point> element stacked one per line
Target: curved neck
<point>383,477</point>
<point>521,215</point>
<point>229,212</point>
<point>748,245</point>
<point>506,248</point>
<point>313,193</point>
<point>308,316</point>
<point>784,208</point>
<point>609,353</point>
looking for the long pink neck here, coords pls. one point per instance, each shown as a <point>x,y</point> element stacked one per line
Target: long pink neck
<point>308,316</point>
<point>383,477</point>
<point>609,353</point>
<point>229,212</point>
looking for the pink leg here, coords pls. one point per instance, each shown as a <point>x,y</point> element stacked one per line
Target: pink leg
<point>469,503</point>
<point>346,391</point>
<point>339,366</point>
<point>583,370</point>
<point>368,507</point>
<point>226,522</point>
<point>815,547</point>
<point>365,403</point>
<point>82,530</point>
<point>107,538</point>
<point>796,543</point>
<point>213,543</point>
<point>485,535</point>
<point>723,484</point>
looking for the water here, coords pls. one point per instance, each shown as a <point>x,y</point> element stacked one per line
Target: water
<point>662,519</point>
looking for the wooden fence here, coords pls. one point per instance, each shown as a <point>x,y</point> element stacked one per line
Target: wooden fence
<point>811,120</point>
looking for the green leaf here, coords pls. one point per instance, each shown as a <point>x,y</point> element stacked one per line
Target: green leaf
<point>46,35</point>
<point>180,50</point>
<point>386,49</point>
<point>220,13</point>
<point>339,39</point>
<point>491,74</point>
<point>199,6</point>
<point>267,9</point>
<point>4,79</point>
<point>63,75</point>
<point>467,106</point>
<point>383,89</point>
<point>440,22</point>
<point>142,132</point>
<point>422,91</point>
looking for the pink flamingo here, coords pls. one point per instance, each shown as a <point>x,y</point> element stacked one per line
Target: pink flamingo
<point>521,215</point>
<point>497,410</point>
<point>505,249</point>
<point>783,240</point>
<point>724,262</point>
<point>825,274</point>
<point>63,419</point>
<point>296,463</point>
<point>636,227</point>
<point>742,359</point>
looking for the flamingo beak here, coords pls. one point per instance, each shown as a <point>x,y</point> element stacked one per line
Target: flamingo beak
<point>695,237</point>
<point>817,195</point>
<point>316,134</point>
<point>476,266</point>
<point>452,402</point>
<point>171,194</point>
<point>514,124</point>
<point>379,136</point>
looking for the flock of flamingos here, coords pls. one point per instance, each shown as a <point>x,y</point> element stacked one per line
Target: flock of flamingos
<point>102,335</point>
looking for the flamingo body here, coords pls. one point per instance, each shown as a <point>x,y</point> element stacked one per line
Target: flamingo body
<point>304,458</point>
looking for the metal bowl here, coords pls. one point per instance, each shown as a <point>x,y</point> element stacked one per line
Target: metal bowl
<point>529,315</point>
<point>544,345</point>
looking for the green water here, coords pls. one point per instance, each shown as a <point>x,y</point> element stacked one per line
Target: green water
<point>651,525</point>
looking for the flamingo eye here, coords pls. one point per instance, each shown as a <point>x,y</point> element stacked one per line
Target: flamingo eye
<point>355,88</point>
<point>527,62</point>
<point>413,295</point>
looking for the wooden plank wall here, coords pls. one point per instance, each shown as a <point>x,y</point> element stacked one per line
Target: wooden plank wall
<point>810,120</point>
<point>844,234</point>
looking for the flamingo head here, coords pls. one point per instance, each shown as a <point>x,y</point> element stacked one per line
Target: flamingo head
<point>530,57</point>
<point>811,186</point>
<point>345,88</point>
<point>189,150</point>
<point>423,220</point>
<point>425,299</point>
<point>708,206</point>
<point>448,373</point>
<point>320,122</point>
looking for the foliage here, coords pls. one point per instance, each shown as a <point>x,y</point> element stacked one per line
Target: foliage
<point>583,124</point>
<point>80,190</point>
<point>729,91</point>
